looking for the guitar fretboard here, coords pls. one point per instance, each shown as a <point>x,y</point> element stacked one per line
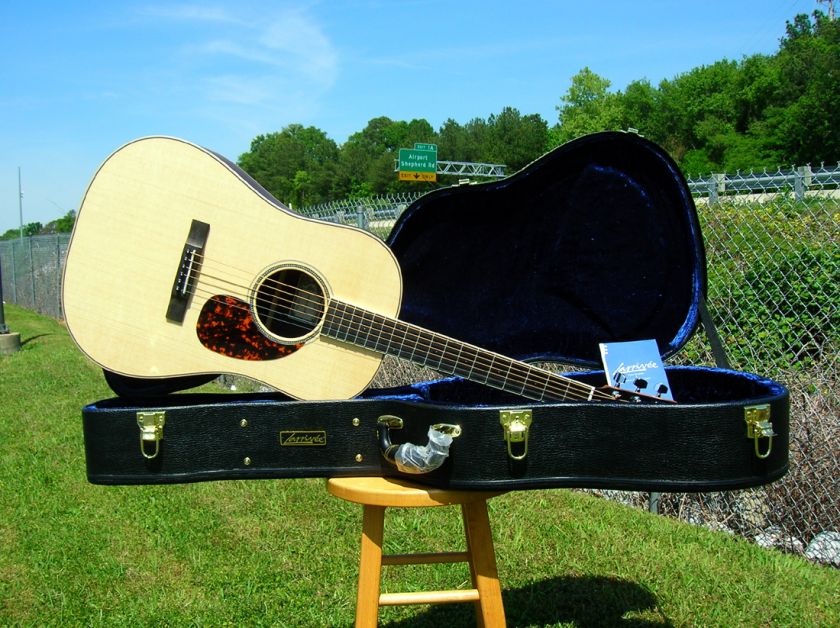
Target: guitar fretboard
<point>393,337</point>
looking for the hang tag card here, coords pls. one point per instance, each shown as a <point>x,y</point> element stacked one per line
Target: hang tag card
<point>636,367</point>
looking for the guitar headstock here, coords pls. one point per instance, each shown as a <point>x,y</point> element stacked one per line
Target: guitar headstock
<point>638,395</point>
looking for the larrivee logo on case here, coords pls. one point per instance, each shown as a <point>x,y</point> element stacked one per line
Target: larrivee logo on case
<point>303,438</point>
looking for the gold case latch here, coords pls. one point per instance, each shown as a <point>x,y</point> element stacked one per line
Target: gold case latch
<point>151,431</point>
<point>759,426</point>
<point>516,425</point>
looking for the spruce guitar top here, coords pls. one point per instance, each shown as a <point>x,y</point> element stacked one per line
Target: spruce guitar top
<point>181,264</point>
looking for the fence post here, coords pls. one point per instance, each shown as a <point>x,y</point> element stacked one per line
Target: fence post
<point>32,274</point>
<point>717,185</point>
<point>13,283</point>
<point>3,328</point>
<point>59,277</point>
<point>801,182</point>
<point>361,217</point>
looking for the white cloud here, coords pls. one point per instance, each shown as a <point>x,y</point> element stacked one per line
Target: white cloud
<point>252,60</point>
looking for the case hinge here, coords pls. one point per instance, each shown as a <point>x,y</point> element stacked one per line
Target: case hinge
<point>151,431</point>
<point>759,426</point>
<point>516,425</point>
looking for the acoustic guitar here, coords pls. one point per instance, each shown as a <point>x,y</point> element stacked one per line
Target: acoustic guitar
<point>181,264</point>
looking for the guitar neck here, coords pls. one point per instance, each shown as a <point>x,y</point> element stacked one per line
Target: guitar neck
<point>393,337</point>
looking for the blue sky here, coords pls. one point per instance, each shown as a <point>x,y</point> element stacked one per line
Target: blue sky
<point>79,79</point>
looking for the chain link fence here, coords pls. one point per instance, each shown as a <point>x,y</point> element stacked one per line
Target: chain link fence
<point>773,248</point>
<point>376,214</point>
<point>31,269</point>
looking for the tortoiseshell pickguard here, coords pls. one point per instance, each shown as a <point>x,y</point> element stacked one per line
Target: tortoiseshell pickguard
<point>226,326</point>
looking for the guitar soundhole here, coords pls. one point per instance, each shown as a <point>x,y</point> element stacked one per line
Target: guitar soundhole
<point>289,303</point>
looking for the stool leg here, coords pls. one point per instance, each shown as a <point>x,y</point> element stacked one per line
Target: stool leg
<point>479,620</point>
<point>370,567</point>
<point>483,564</point>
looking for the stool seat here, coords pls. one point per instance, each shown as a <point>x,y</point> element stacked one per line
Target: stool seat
<point>376,494</point>
<point>376,491</point>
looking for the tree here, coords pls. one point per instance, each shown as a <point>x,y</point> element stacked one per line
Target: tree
<point>515,140</point>
<point>296,163</point>
<point>639,104</point>
<point>805,125</point>
<point>587,107</point>
<point>455,143</point>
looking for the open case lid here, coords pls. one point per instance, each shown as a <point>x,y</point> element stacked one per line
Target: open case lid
<point>596,241</point>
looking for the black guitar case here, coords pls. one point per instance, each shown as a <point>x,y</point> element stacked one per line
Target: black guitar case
<point>597,241</point>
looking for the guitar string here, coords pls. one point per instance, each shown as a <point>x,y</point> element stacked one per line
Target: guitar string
<point>587,391</point>
<point>554,385</point>
<point>550,388</point>
<point>550,384</point>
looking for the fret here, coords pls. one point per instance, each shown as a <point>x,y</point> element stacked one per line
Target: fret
<point>525,381</point>
<point>416,341</point>
<point>334,309</point>
<point>380,326</point>
<point>490,368</point>
<point>387,335</point>
<point>357,324</point>
<point>463,362</point>
<point>449,361</point>
<point>426,348</point>
<point>365,328</point>
<point>494,373</point>
<point>443,352</point>
<point>547,378</point>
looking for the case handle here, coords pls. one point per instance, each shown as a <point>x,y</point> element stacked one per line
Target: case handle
<point>415,459</point>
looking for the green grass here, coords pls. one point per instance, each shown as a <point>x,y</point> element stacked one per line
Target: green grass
<point>283,553</point>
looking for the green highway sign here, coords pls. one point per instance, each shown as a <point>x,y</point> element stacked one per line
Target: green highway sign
<point>419,146</point>
<point>418,160</point>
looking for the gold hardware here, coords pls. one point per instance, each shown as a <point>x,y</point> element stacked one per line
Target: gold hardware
<point>247,461</point>
<point>243,423</point>
<point>448,428</point>
<point>356,422</point>
<point>390,421</point>
<point>151,431</point>
<point>516,424</point>
<point>759,426</point>
<point>359,457</point>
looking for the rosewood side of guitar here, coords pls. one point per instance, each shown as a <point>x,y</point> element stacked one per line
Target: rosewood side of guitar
<point>127,247</point>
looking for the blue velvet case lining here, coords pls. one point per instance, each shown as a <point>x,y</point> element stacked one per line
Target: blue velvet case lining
<point>597,241</point>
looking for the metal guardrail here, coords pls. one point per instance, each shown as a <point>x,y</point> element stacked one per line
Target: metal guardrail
<point>797,180</point>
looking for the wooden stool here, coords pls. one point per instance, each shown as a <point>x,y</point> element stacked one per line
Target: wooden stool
<point>376,494</point>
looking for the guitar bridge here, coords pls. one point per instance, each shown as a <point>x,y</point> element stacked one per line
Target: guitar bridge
<point>188,268</point>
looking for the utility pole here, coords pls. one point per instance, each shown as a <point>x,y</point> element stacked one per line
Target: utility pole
<point>830,4</point>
